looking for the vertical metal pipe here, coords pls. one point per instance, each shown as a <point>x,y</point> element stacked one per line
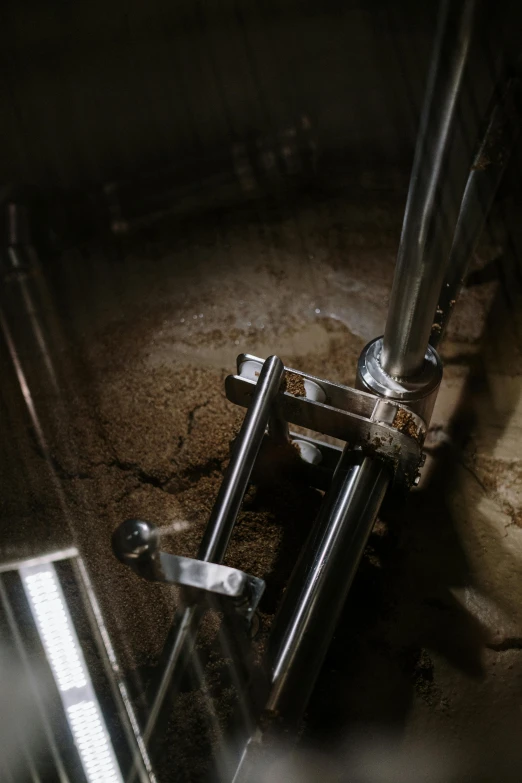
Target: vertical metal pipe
<point>244,453</point>
<point>315,597</point>
<point>140,760</point>
<point>316,594</point>
<point>483,181</point>
<point>429,220</point>
<point>221,522</point>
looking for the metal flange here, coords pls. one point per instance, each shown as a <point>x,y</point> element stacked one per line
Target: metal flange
<point>381,428</point>
<point>418,393</point>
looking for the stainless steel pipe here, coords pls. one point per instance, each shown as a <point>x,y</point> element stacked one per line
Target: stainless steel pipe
<point>244,453</point>
<point>322,578</point>
<point>320,583</point>
<point>221,522</point>
<point>316,595</point>
<point>486,173</point>
<point>429,220</point>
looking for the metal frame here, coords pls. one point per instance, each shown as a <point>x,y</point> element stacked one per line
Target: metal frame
<point>140,759</point>
<point>363,420</point>
<point>398,373</point>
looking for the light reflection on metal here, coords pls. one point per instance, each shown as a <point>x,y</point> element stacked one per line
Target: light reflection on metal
<point>141,762</point>
<point>56,630</point>
<point>63,777</point>
<point>65,656</point>
<point>50,557</point>
<point>22,381</point>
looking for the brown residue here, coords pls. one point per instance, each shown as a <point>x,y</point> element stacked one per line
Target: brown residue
<point>482,163</point>
<point>294,384</point>
<point>405,423</point>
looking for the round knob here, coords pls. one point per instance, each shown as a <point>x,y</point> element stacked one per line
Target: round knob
<point>135,539</point>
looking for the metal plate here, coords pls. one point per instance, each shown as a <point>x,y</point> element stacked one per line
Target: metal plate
<point>353,416</point>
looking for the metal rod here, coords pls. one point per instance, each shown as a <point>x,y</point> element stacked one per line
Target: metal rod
<point>244,453</point>
<point>483,181</point>
<point>140,760</point>
<point>330,559</point>
<point>316,594</point>
<point>430,219</point>
<point>221,522</point>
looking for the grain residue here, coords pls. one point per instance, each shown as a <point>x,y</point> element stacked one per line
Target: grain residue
<point>294,384</point>
<point>404,422</point>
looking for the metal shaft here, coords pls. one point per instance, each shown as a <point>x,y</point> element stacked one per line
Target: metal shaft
<point>430,216</point>
<point>483,181</point>
<point>237,476</point>
<point>221,522</point>
<point>322,579</point>
<point>316,594</point>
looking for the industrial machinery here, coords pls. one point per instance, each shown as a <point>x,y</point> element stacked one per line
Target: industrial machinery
<point>360,447</point>
<point>383,422</point>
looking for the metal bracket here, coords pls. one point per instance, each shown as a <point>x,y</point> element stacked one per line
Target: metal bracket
<point>381,428</point>
<point>136,544</point>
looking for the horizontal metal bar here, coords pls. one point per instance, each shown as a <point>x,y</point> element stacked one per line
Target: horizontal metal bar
<point>244,453</point>
<point>49,557</point>
<point>336,394</point>
<point>373,435</point>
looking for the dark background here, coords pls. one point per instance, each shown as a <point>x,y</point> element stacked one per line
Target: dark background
<point>99,91</point>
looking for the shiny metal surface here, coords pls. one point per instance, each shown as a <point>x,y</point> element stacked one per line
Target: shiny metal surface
<point>128,724</point>
<point>220,525</point>
<point>50,557</point>
<point>322,390</point>
<point>136,544</point>
<point>323,576</point>
<point>356,419</point>
<point>34,684</point>
<point>419,392</point>
<point>244,453</point>
<point>429,219</point>
<point>483,181</point>
<point>315,596</point>
<point>209,577</point>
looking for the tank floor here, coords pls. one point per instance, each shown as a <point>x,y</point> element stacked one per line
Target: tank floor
<point>423,680</point>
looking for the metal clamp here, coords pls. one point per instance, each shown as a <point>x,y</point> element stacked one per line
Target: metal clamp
<point>136,544</point>
<point>380,428</point>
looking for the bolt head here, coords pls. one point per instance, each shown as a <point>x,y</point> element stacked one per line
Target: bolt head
<point>135,539</point>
